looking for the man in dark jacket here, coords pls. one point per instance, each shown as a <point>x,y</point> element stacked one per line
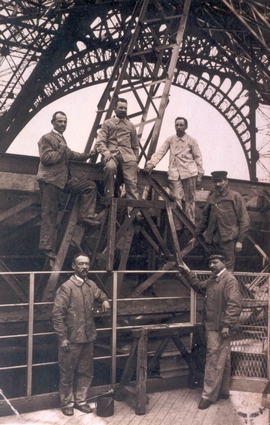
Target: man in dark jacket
<point>222,309</point>
<point>225,219</point>
<point>54,176</point>
<point>73,321</point>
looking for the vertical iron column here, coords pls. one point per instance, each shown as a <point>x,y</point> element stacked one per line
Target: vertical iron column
<point>254,156</point>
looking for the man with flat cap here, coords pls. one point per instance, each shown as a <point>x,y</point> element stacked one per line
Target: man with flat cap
<point>222,309</point>
<point>225,219</point>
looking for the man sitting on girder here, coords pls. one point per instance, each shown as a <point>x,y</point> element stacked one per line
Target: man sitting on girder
<point>118,144</point>
<point>53,176</point>
<point>185,167</point>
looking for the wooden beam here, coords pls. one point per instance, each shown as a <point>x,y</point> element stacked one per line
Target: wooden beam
<point>19,207</point>
<point>13,282</point>
<point>141,288</point>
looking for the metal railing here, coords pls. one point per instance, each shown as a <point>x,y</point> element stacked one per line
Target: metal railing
<point>249,346</point>
<point>27,313</point>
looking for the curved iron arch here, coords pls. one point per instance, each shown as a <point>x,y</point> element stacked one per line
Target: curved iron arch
<point>238,117</point>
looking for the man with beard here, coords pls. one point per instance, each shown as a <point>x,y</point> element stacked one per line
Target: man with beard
<point>73,321</point>
<point>225,219</point>
<point>185,167</point>
<point>222,309</point>
<point>118,144</point>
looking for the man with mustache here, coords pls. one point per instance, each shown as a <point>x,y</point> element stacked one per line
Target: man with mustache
<point>118,145</point>
<point>222,309</point>
<point>185,167</point>
<point>73,321</point>
<point>54,176</point>
<point>225,219</point>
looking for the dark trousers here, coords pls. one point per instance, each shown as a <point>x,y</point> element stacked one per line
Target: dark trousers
<point>228,249</point>
<point>76,373</point>
<point>49,207</point>
<point>129,172</point>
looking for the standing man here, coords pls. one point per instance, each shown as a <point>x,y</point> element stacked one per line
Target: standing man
<point>185,167</point>
<point>53,176</point>
<point>73,321</point>
<point>225,219</point>
<point>222,308</point>
<point>118,144</point>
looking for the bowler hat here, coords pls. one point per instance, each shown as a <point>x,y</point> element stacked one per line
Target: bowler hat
<point>219,175</point>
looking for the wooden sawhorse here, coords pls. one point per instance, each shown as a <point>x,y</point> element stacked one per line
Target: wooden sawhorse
<point>143,368</point>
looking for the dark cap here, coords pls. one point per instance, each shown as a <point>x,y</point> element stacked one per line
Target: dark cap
<point>218,255</point>
<point>216,175</point>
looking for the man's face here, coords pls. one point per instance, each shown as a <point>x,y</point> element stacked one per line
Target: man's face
<point>216,265</point>
<point>180,127</point>
<point>81,266</point>
<point>60,123</point>
<point>221,185</point>
<point>121,110</point>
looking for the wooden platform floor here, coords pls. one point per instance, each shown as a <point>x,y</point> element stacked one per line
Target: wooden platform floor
<point>176,407</point>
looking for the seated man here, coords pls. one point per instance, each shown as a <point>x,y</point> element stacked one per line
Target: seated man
<point>118,144</point>
<point>53,176</point>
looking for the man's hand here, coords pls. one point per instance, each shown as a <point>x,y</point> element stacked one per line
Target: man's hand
<point>225,332</point>
<point>199,180</point>
<point>105,306</point>
<point>148,168</point>
<point>238,247</point>
<point>183,268</point>
<point>65,345</point>
<point>107,157</point>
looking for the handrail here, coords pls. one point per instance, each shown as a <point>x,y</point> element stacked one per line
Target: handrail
<point>114,328</point>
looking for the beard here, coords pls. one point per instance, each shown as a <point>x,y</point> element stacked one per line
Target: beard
<point>180,133</point>
<point>122,114</point>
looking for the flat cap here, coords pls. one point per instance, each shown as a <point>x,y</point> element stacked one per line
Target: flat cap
<point>219,175</point>
<point>216,255</point>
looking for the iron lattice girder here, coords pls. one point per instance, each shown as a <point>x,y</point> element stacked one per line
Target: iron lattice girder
<point>73,45</point>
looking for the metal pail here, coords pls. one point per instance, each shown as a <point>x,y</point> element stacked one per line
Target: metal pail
<point>105,406</point>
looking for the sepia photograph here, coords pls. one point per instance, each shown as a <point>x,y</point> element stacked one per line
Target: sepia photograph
<point>135,212</point>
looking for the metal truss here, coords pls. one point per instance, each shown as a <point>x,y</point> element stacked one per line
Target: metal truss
<point>49,49</point>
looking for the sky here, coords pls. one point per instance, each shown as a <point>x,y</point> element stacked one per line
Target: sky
<point>219,145</point>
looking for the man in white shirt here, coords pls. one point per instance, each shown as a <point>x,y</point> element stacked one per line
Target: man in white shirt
<point>185,167</point>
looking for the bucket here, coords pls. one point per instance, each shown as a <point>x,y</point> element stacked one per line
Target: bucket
<point>105,406</point>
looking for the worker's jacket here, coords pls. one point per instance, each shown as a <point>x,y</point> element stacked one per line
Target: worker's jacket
<point>226,214</point>
<point>54,156</point>
<point>118,136</point>
<point>73,310</point>
<point>185,159</point>
<point>222,301</point>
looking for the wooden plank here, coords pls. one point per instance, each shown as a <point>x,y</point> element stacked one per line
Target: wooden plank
<point>111,235</point>
<point>174,234</point>
<point>18,182</point>
<point>14,283</point>
<point>125,307</point>
<point>157,234</point>
<point>152,279</point>
<point>50,289</point>
<point>124,256</point>
<point>141,375</point>
<point>259,249</point>
<point>19,207</point>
